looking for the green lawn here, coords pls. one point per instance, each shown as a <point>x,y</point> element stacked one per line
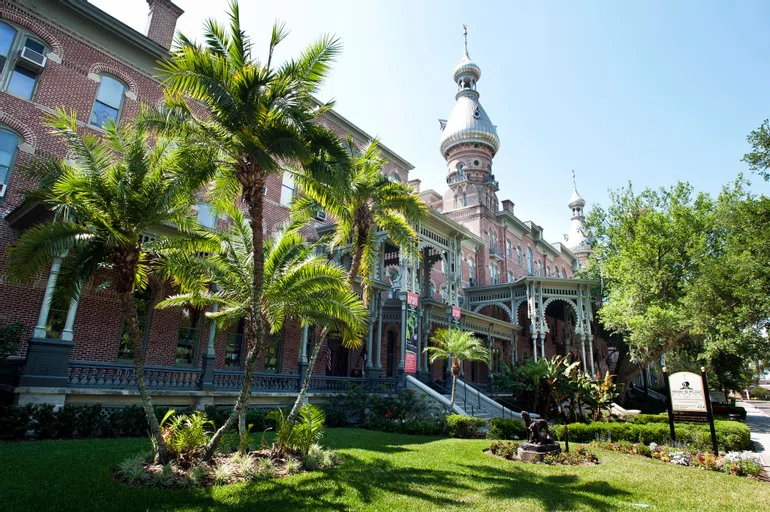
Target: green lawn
<point>382,472</point>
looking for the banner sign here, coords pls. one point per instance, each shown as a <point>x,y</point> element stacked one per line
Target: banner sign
<point>687,393</point>
<point>410,363</point>
<point>412,299</point>
<point>718,397</point>
<point>456,312</point>
<point>412,330</point>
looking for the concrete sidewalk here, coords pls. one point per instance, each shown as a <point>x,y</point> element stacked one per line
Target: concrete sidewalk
<point>759,423</point>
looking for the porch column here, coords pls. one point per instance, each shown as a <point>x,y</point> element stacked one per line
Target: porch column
<point>582,339</point>
<point>402,351</point>
<point>303,345</point>
<point>514,348</point>
<point>67,333</point>
<point>378,352</point>
<point>591,353</point>
<point>45,308</point>
<point>372,317</point>
<point>534,344</point>
<point>419,339</point>
<point>209,356</point>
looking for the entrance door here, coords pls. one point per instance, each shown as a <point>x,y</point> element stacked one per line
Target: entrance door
<point>340,358</point>
<point>391,356</point>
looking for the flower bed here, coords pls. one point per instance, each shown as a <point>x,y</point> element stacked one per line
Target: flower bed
<point>579,456</point>
<point>735,463</point>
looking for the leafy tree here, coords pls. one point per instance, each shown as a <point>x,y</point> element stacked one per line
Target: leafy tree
<point>262,120</point>
<point>759,157</point>
<point>456,345</point>
<point>213,268</point>
<point>112,192</point>
<point>558,376</point>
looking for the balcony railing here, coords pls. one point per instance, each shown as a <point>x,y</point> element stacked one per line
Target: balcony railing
<point>490,180</point>
<point>99,375</point>
<point>496,252</point>
<point>458,178</point>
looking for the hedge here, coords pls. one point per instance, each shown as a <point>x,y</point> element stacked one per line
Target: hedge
<point>464,426</point>
<point>759,393</point>
<point>500,428</point>
<point>731,435</point>
<point>43,422</point>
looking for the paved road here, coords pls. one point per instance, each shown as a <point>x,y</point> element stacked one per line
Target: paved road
<point>758,420</point>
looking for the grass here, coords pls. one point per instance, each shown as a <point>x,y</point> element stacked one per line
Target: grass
<point>382,472</point>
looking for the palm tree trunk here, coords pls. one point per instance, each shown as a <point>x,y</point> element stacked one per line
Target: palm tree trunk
<point>355,261</point>
<point>252,181</point>
<point>454,388</point>
<point>308,374</point>
<point>132,324</point>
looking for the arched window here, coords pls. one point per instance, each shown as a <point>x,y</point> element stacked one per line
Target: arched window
<point>508,250</point>
<point>494,274</point>
<point>460,171</point>
<point>564,272</point>
<point>530,267</point>
<point>22,59</point>
<point>287,189</point>
<point>548,271</point>
<point>492,240</point>
<point>395,178</point>
<point>465,199</point>
<point>518,254</point>
<point>557,272</point>
<point>9,143</point>
<point>510,277</point>
<point>539,268</point>
<point>108,101</point>
<point>472,271</point>
<point>143,301</point>
<point>455,202</point>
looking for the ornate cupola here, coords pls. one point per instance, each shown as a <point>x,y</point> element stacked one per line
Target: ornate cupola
<point>469,141</point>
<point>577,240</point>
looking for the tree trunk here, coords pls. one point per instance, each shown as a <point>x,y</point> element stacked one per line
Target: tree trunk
<point>644,387</point>
<point>308,375</point>
<point>452,401</point>
<point>252,181</point>
<point>161,454</point>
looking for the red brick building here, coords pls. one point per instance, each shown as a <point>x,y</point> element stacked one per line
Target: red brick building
<point>483,269</point>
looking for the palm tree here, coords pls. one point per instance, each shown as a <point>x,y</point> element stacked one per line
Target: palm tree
<point>105,198</point>
<point>213,268</point>
<point>456,345</point>
<point>262,119</point>
<point>559,375</point>
<point>368,203</point>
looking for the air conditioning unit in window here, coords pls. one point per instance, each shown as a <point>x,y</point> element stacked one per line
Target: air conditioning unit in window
<point>3,188</point>
<point>31,59</point>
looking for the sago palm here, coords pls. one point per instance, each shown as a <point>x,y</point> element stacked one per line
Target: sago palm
<point>457,346</point>
<point>112,191</point>
<point>262,118</point>
<point>213,268</point>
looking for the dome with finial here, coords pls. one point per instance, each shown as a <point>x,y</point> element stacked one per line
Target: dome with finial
<point>468,121</point>
<point>575,201</point>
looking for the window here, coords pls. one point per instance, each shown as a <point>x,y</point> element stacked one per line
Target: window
<point>508,249</point>
<point>518,254</point>
<point>557,272</point>
<point>187,339</point>
<point>510,277</point>
<point>494,275</point>
<point>108,102</point>
<point>564,272</point>
<point>206,216</point>
<point>9,143</point>
<point>472,270</point>
<point>530,267</point>
<point>465,200</point>
<point>234,346</point>
<point>143,302</point>
<point>539,268</point>
<point>548,271</point>
<point>273,352</point>
<point>287,189</point>
<point>455,203</point>
<point>395,178</point>
<point>460,171</point>
<point>22,59</point>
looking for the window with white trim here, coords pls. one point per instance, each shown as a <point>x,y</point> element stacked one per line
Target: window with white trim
<point>22,59</point>
<point>539,268</point>
<point>206,216</point>
<point>108,102</point>
<point>287,189</point>
<point>558,274</point>
<point>510,277</point>
<point>494,275</point>
<point>518,254</point>
<point>530,266</point>
<point>9,144</point>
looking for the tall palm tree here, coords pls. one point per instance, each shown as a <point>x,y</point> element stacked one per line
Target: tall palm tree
<point>457,346</point>
<point>297,283</point>
<point>111,192</point>
<point>262,119</point>
<point>368,203</point>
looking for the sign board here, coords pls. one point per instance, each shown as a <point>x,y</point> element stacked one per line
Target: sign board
<point>700,417</point>
<point>687,393</point>
<point>718,397</point>
<point>412,330</point>
<point>412,299</point>
<point>456,312</point>
<point>410,363</point>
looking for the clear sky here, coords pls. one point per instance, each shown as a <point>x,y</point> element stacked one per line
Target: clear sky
<point>647,91</point>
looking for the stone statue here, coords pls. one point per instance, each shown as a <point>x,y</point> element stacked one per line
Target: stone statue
<point>537,430</point>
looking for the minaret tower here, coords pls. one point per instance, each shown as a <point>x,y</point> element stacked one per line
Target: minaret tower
<point>577,240</point>
<point>469,142</point>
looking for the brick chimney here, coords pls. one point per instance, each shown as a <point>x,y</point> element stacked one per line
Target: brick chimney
<point>508,205</point>
<point>161,21</point>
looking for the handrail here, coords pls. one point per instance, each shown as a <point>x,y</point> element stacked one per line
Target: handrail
<point>488,401</point>
<point>424,388</point>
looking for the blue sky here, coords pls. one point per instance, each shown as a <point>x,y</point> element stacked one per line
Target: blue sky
<point>647,91</point>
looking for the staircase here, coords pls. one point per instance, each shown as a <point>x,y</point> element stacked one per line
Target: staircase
<point>468,400</point>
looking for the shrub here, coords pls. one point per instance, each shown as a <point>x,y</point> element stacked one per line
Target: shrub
<point>464,426</point>
<point>127,422</point>
<point>198,475</point>
<point>186,435</point>
<point>314,458</point>
<point>292,466</point>
<point>14,421</point>
<point>505,449</point>
<point>580,455</point>
<point>10,338</point>
<point>91,421</point>
<point>44,422</point>
<point>500,428</point>
<point>266,469</point>
<point>731,435</point>
<point>131,470</point>
<point>759,393</point>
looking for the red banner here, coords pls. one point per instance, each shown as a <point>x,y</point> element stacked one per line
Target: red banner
<point>456,312</point>
<point>410,363</point>
<point>412,299</point>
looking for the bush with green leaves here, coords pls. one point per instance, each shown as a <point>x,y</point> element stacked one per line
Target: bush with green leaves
<point>298,436</point>
<point>464,426</point>
<point>505,449</point>
<point>759,393</point>
<point>500,428</point>
<point>11,334</point>
<point>186,435</point>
